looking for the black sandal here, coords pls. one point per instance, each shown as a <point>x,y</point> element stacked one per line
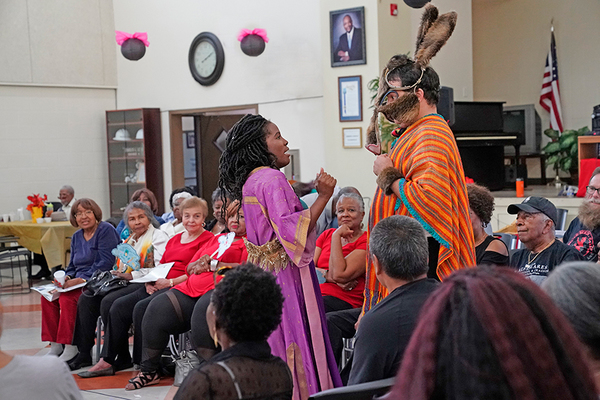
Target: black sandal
<point>143,379</point>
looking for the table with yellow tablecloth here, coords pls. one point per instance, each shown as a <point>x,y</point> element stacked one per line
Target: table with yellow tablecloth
<point>48,238</point>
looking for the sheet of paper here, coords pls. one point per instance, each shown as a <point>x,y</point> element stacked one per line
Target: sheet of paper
<point>52,292</point>
<point>159,272</point>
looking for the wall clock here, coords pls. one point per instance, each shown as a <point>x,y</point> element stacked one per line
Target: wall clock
<point>206,58</point>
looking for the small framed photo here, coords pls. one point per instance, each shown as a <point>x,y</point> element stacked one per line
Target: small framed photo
<point>347,32</point>
<point>191,140</point>
<point>352,138</point>
<point>350,98</point>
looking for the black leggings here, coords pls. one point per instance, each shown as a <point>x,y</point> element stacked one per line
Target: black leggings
<point>88,311</point>
<point>171,313</point>
<point>332,303</point>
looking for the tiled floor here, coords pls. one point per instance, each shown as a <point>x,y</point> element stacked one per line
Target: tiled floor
<point>21,335</point>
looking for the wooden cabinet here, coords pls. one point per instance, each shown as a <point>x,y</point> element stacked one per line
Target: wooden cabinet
<point>134,156</point>
<point>588,147</point>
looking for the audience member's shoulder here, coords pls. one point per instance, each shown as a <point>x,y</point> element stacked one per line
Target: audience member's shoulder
<point>567,252</point>
<point>104,226</point>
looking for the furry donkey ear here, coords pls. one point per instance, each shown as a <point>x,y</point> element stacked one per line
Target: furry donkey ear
<point>435,37</point>
<point>429,16</point>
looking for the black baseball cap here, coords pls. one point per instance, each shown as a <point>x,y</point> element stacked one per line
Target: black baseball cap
<point>535,204</point>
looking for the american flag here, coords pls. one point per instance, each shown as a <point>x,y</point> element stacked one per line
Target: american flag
<point>550,96</point>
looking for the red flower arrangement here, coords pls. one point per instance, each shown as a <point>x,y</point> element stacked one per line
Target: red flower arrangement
<point>36,201</point>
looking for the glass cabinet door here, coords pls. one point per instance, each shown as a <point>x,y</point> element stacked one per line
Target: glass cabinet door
<point>126,160</point>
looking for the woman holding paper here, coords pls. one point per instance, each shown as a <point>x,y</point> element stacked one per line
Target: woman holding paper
<point>179,252</point>
<point>91,249</point>
<point>140,252</point>
<point>170,313</point>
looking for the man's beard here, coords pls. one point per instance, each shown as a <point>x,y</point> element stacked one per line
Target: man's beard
<point>404,111</point>
<point>589,214</point>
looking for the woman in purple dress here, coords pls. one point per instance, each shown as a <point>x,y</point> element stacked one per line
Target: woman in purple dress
<point>281,239</point>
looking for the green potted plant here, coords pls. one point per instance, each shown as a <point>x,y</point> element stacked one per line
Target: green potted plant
<point>562,151</point>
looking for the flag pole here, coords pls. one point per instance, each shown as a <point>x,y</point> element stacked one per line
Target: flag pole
<point>557,181</point>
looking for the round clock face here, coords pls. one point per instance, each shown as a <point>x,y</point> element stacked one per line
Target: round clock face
<point>206,58</point>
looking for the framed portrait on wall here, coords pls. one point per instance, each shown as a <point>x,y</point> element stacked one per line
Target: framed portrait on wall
<point>350,98</point>
<point>347,32</point>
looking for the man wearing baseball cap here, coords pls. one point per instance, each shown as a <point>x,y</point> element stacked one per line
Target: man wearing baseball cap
<point>536,221</point>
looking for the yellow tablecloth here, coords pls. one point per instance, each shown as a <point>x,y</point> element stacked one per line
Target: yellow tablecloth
<point>48,238</point>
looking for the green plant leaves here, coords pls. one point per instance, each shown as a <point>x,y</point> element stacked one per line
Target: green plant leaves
<point>552,148</point>
<point>552,134</point>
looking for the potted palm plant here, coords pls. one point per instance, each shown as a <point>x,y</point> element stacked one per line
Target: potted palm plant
<point>562,151</point>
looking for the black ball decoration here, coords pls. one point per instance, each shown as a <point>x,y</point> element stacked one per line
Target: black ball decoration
<point>133,49</point>
<point>253,45</point>
<point>416,3</point>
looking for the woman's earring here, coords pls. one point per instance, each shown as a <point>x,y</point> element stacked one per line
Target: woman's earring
<point>216,339</point>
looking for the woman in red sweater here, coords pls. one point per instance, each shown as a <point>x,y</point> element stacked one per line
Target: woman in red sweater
<point>341,256</point>
<point>170,313</point>
<point>179,250</point>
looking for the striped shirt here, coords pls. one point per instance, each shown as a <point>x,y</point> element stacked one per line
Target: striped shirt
<point>433,192</point>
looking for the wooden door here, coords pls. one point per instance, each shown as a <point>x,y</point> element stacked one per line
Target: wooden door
<point>210,135</point>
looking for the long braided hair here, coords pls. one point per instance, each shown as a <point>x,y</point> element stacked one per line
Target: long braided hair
<point>489,333</point>
<point>246,149</point>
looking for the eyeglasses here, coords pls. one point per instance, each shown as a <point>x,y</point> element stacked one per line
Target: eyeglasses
<point>86,213</point>
<point>590,190</point>
<point>390,97</point>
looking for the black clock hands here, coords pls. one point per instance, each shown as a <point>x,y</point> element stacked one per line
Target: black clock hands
<point>206,58</point>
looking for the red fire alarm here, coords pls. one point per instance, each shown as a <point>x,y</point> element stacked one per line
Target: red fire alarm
<point>393,9</point>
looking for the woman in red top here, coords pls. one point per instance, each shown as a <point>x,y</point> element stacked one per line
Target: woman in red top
<point>180,250</point>
<point>172,312</point>
<point>341,256</point>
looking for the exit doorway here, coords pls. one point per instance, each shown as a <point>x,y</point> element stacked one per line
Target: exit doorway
<point>197,141</point>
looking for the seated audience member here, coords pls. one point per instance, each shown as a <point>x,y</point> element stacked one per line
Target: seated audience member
<point>573,287</point>
<point>398,247</point>
<point>91,248</point>
<point>170,313</point>
<point>51,376</point>
<point>66,195</point>
<point>303,188</point>
<point>536,221</point>
<point>219,222</point>
<point>245,308</point>
<point>489,333</point>
<point>327,216</point>
<point>180,250</point>
<point>168,216</point>
<point>145,246</point>
<point>344,190</point>
<point>341,256</point>
<point>175,225</point>
<point>584,231</point>
<point>488,249</point>
<point>147,197</point>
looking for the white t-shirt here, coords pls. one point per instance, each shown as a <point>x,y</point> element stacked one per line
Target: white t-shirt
<point>67,209</point>
<point>34,377</point>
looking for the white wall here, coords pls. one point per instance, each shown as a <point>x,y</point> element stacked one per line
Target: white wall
<point>386,36</point>
<point>51,137</point>
<point>285,81</point>
<point>511,40</point>
<point>57,77</point>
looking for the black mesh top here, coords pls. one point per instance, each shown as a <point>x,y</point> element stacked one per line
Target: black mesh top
<point>244,371</point>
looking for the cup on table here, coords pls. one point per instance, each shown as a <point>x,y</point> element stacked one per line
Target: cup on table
<point>48,219</point>
<point>39,220</point>
<point>59,276</point>
<point>5,217</point>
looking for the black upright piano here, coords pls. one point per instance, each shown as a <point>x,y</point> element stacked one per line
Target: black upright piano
<point>479,133</point>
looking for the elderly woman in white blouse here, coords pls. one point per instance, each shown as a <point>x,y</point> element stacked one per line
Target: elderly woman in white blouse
<point>175,226</point>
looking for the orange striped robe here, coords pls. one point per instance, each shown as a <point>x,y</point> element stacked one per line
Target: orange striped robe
<point>433,192</point>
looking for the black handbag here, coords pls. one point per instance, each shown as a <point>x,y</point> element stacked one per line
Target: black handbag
<point>102,283</point>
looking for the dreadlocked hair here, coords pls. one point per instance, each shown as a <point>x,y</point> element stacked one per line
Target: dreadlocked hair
<point>246,149</point>
<point>490,333</point>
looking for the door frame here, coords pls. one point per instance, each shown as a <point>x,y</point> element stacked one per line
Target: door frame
<point>176,134</point>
